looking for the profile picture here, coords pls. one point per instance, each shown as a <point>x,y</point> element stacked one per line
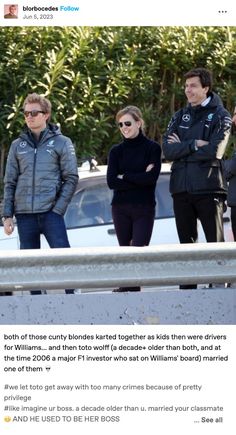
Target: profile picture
<point>10,11</point>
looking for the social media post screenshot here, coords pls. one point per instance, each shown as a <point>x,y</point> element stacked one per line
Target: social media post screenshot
<point>103,13</point>
<point>109,379</point>
<point>117,131</point>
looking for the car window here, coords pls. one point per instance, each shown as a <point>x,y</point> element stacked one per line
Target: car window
<point>91,205</point>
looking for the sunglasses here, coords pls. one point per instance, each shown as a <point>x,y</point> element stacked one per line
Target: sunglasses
<point>33,113</point>
<point>126,123</point>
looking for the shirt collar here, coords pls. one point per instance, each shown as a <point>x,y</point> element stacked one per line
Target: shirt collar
<point>206,101</point>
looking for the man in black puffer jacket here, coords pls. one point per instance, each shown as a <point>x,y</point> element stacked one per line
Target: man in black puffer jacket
<point>40,178</point>
<point>195,141</point>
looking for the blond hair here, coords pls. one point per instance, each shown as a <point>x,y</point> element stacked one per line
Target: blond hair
<point>133,111</point>
<point>39,99</point>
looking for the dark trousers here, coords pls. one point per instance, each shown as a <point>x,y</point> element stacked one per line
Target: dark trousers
<point>50,224</point>
<point>133,224</point>
<point>207,208</point>
<point>233,221</point>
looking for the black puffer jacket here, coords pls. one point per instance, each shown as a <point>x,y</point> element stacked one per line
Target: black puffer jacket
<point>40,177</point>
<point>198,170</point>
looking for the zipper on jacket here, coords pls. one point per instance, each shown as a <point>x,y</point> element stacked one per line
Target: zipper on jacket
<point>41,142</point>
<point>33,184</point>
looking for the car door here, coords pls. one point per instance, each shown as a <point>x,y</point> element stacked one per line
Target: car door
<point>88,217</point>
<point>89,220</point>
<point>9,242</point>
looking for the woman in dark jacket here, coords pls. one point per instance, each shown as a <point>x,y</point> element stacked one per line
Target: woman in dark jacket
<point>133,169</point>
<point>230,172</point>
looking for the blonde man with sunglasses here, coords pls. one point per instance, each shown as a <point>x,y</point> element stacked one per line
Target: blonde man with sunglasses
<point>40,178</point>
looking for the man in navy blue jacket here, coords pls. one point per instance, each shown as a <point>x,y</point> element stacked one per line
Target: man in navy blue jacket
<point>195,142</point>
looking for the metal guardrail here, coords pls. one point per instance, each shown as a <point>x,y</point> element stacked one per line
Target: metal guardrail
<point>112,267</point>
<point>117,266</point>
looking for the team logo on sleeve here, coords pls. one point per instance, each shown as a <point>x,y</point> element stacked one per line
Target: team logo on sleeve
<point>186,117</point>
<point>23,144</point>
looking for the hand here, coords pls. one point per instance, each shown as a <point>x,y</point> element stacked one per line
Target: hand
<point>201,143</point>
<point>150,167</point>
<point>8,226</point>
<point>173,138</point>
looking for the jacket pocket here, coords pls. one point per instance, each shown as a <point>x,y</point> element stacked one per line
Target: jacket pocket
<point>209,177</point>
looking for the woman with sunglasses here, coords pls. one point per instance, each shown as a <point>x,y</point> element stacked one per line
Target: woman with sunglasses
<point>133,169</point>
